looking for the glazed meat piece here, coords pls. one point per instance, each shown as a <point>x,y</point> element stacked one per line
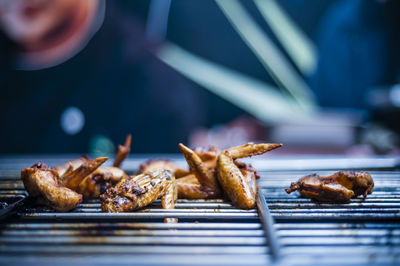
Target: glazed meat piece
<point>205,173</point>
<point>74,164</point>
<point>41,182</point>
<point>123,151</point>
<point>208,156</point>
<point>72,177</point>
<point>95,184</point>
<point>85,177</point>
<point>190,188</point>
<point>203,161</point>
<point>339,187</point>
<point>237,187</point>
<point>135,192</point>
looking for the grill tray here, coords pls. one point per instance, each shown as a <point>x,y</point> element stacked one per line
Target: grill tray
<point>212,232</point>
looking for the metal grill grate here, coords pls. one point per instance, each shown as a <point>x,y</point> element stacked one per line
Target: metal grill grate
<point>211,231</point>
<point>363,231</point>
<point>86,235</point>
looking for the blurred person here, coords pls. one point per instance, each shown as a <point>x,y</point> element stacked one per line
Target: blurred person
<point>77,76</point>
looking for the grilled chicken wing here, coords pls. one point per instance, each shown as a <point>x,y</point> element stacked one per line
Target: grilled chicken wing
<point>73,177</point>
<point>231,178</point>
<point>123,151</point>
<point>339,187</point>
<point>74,164</point>
<point>41,182</point>
<point>135,192</point>
<point>95,184</point>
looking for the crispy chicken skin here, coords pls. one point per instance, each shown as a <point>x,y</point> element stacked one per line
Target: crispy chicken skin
<point>73,177</point>
<point>123,151</point>
<point>237,187</point>
<point>135,192</point>
<point>339,187</point>
<point>95,184</point>
<point>41,182</point>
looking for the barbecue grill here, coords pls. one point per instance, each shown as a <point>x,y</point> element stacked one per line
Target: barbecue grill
<point>284,229</point>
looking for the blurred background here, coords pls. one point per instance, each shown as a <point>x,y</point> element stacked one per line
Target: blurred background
<point>77,76</point>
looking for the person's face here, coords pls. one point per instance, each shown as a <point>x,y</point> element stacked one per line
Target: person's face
<point>27,21</point>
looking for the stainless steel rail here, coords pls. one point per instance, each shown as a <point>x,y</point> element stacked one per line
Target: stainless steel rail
<point>286,229</point>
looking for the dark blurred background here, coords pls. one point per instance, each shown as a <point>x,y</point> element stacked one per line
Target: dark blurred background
<point>319,76</point>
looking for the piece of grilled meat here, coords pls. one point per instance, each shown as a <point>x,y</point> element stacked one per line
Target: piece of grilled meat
<point>72,177</point>
<point>202,164</point>
<point>339,187</point>
<point>123,152</point>
<point>87,178</point>
<point>41,182</point>
<point>61,169</point>
<point>190,188</point>
<point>236,185</point>
<point>204,160</point>
<point>135,192</point>
<point>95,184</point>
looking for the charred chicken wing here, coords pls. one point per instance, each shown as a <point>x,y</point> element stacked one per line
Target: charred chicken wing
<point>339,187</point>
<point>72,177</point>
<point>41,182</point>
<point>135,192</point>
<point>233,182</point>
<point>95,184</point>
<point>74,164</point>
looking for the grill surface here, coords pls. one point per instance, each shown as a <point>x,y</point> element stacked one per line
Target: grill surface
<point>212,231</point>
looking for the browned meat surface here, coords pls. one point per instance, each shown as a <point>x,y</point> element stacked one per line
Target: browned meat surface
<point>123,151</point>
<point>339,187</point>
<point>190,188</point>
<point>205,173</point>
<point>41,182</point>
<point>95,184</point>
<point>74,164</point>
<point>135,192</point>
<point>239,187</point>
<point>72,177</point>
<point>203,183</point>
